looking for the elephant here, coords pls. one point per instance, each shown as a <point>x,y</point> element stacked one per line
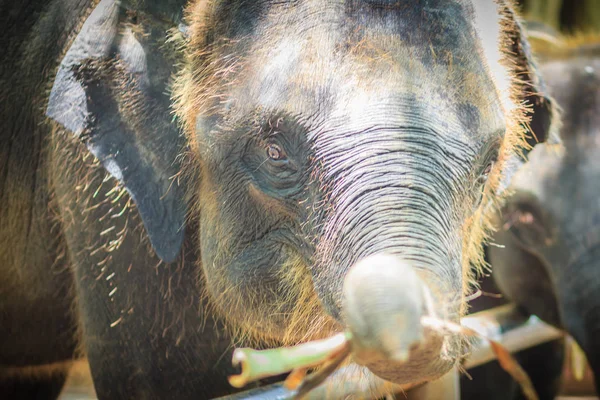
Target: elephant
<point>179,177</point>
<point>547,230</point>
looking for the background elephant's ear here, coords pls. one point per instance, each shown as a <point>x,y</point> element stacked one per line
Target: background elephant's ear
<point>543,113</point>
<point>112,92</point>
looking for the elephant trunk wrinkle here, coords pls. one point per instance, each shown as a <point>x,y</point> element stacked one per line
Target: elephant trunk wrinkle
<point>399,220</point>
<point>390,212</point>
<point>403,224</point>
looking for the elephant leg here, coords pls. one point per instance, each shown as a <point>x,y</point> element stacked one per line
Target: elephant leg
<point>488,381</point>
<point>145,329</point>
<point>544,365</point>
<point>33,387</point>
<point>145,332</point>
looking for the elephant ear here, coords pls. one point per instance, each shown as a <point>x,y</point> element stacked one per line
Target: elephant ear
<point>111,92</point>
<point>542,113</point>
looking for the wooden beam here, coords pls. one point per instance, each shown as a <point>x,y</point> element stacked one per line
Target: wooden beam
<point>504,324</point>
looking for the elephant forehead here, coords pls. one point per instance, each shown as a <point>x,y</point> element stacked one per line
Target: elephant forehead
<point>575,84</point>
<point>346,59</point>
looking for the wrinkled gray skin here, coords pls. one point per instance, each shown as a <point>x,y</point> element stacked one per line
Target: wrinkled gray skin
<point>337,131</point>
<point>550,227</point>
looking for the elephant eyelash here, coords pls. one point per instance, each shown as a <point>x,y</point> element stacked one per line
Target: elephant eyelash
<point>485,170</point>
<point>489,161</point>
<point>488,168</point>
<point>491,157</point>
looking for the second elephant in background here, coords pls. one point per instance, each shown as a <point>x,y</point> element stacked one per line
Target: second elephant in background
<point>549,228</point>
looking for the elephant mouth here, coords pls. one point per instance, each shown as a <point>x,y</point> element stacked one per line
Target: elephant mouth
<point>383,302</point>
<point>393,331</point>
<point>339,374</point>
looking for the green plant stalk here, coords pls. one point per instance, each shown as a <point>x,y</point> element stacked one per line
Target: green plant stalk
<point>258,364</point>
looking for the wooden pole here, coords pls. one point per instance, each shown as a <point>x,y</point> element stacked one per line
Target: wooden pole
<point>530,332</point>
<point>445,388</point>
<point>503,324</point>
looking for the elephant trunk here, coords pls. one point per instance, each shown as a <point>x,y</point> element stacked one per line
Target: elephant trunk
<point>391,253</point>
<point>384,301</point>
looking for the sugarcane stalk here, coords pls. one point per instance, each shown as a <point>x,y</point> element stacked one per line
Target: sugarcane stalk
<point>259,364</point>
<point>330,353</point>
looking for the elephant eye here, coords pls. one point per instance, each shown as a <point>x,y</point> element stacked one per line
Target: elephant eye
<point>525,218</point>
<point>482,180</point>
<point>275,152</point>
<point>485,174</point>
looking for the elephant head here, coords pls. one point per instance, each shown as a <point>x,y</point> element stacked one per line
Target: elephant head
<point>340,156</point>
